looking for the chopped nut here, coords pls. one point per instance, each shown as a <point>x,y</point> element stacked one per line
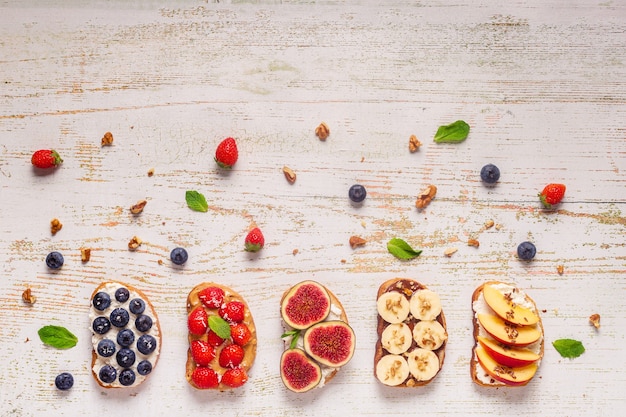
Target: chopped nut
<point>560,269</point>
<point>489,224</point>
<point>424,197</point>
<point>450,251</point>
<point>295,252</point>
<point>28,297</point>
<point>107,139</point>
<point>322,131</point>
<point>357,241</point>
<point>290,174</point>
<point>151,172</point>
<point>595,320</point>
<point>414,143</point>
<point>55,226</point>
<point>85,254</point>
<point>134,243</point>
<point>138,208</point>
<point>473,242</point>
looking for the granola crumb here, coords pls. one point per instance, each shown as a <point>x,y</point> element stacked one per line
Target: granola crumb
<point>560,269</point>
<point>55,226</point>
<point>322,131</point>
<point>290,174</point>
<point>489,224</point>
<point>473,242</point>
<point>450,251</point>
<point>356,241</point>
<point>28,296</point>
<point>425,196</point>
<point>138,207</point>
<point>85,254</point>
<point>151,172</point>
<point>134,243</point>
<point>295,252</point>
<point>414,144</point>
<point>107,139</point>
<point>594,319</point>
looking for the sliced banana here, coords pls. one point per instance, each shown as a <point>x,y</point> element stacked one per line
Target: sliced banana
<point>429,334</point>
<point>393,307</point>
<point>425,305</point>
<point>392,370</point>
<point>396,338</point>
<point>423,364</point>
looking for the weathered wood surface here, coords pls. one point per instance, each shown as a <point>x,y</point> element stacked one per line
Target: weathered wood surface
<point>542,85</point>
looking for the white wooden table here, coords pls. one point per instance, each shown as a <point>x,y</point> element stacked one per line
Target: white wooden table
<point>541,84</point>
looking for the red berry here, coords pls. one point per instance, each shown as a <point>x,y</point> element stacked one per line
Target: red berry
<point>240,333</point>
<point>226,153</point>
<point>198,321</point>
<point>552,194</point>
<point>231,356</point>
<point>202,352</point>
<point>212,297</point>
<point>254,240</point>
<point>46,158</point>
<point>234,377</point>
<point>213,339</point>
<point>205,378</point>
<point>233,311</point>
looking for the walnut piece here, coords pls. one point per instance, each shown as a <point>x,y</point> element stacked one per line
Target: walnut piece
<point>107,139</point>
<point>85,254</point>
<point>290,174</point>
<point>28,297</point>
<point>138,207</point>
<point>134,243</point>
<point>55,226</point>
<point>414,144</point>
<point>356,241</point>
<point>595,320</point>
<point>322,131</point>
<point>424,198</point>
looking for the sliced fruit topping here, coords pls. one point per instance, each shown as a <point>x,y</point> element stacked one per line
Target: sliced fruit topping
<point>235,377</point>
<point>305,304</point>
<point>231,356</point>
<point>213,339</point>
<point>429,334</point>
<point>197,322</point>
<point>506,355</point>
<point>506,375</point>
<point>240,334</point>
<point>425,305</point>
<point>505,307</point>
<point>202,352</point>
<point>212,297</point>
<point>205,378</point>
<point>396,338</point>
<point>423,364</point>
<point>508,333</point>
<point>392,370</point>
<point>233,311</point>
<point>331,343</point>
<point>298,372</point>
<point>393,307</point>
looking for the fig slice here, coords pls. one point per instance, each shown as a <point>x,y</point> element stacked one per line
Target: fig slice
<point>298,372</point>
<point>305,304</point>
<point>331,343</point>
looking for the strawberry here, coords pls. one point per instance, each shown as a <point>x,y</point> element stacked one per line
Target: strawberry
<point>46,158</point>
<point>233,311</point>
<point>198,321</point>
<point>254,240</point>
<point>212,297</point>
<point>205,378</point>
<point>552,194</point>
<point>231,356</point>
<point>226,153</point>
<point>213,339</point>
<point>202,352</point>
<point>240,333</point>
<point>235,377</point>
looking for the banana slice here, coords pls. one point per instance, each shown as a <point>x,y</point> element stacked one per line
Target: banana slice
<point>425,305</point>
<point>392,370</point>
<point>396,338</point>
<point>393,307</point>
<point>423,364</point>
<point>429,334</point>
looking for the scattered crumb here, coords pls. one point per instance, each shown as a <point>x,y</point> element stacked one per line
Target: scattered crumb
<point>138,207</point>
<point>356,241</point>
<point>425,196</point>
<point>473,242</point>
<point>362,159</point>
<point>322,131</point>
<point>363,224</point>
<point>27,340</point>
<point>414,144</point>
<point>107,139</point>
<point>489,224</point>
<point>290,174</point>
<point>55,226</point>
<point>134,243</point>
<point>595,320</point>
<point>85,254</point>
<point>160,261</point>
<point>498,226</point>
<point>544,311</point>
<point>343,261</point>
<point>560,269</point>
<point>28,297</point>
<point>555,311</point>
<point>295,252</point>
<point>450,251</point>
<point>151,172</point>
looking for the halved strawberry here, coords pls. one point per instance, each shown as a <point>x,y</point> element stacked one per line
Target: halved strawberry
<point>212,297</point>
<point>233,311</point>
<point>205,378</point>
<point>235,377</point>
<point>202,352</point>
<point>197,322</point>
<point>213,339</point>
<point>231,356</point>
<point>240,334</point>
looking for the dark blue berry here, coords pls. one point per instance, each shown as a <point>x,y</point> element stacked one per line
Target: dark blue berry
<point>146,344</point>
<point>127,377</point>
<point>54,260</point>
<point>125,338</point>
<point>357,193</point>
<point>143,323</point>
<point>119,317</point>
<point>106,348</point>
<point>101,325</point>
<point>64,381</point>
<point>107,374</point>
<point>526,251</point>
<point>137,306</point>
<point>490,174</point>
<point>179,256</point>
<point>101,301</point>
<point>125,358</point>
<point>122,294</point>
<point>144,367</point>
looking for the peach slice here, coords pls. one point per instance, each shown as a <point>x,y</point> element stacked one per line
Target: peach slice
<point>505,374</point>
<point>502,305</point>
<point>506,355</point>
<point>509,333</point>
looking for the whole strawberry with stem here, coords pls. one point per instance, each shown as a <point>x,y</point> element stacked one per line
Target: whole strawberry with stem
<point>226,153</point>
<point>46,158</point>
<point>254,241</point>
<point>552,194</point>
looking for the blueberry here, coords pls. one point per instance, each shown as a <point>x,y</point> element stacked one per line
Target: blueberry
<point>144,367</point>
<point>122,294</point>
<point>119,317</point>
<point>127,377</point>
<point>106,348</point>
<point>526,251</point>
<point>357,193</point>
<point>125,358</point>
<point>143,323</point>
<point>54,260</point>
<point>64,381</point>
<point>137,306</point>
<point>101,325</point>
<point>107,374</point>
<point>179,256</point>
<point>101,301</point>
<point>125,338</point>
<point>146,344</point>
<point>490,174</point>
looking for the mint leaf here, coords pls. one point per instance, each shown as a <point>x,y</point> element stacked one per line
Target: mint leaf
<point>57,337</point>
<point>402,250</point>
<point>219,326</point>
<point>196,201</point>
<point>569,348</point>
<point>452,133</point>
<point>294,334</point>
